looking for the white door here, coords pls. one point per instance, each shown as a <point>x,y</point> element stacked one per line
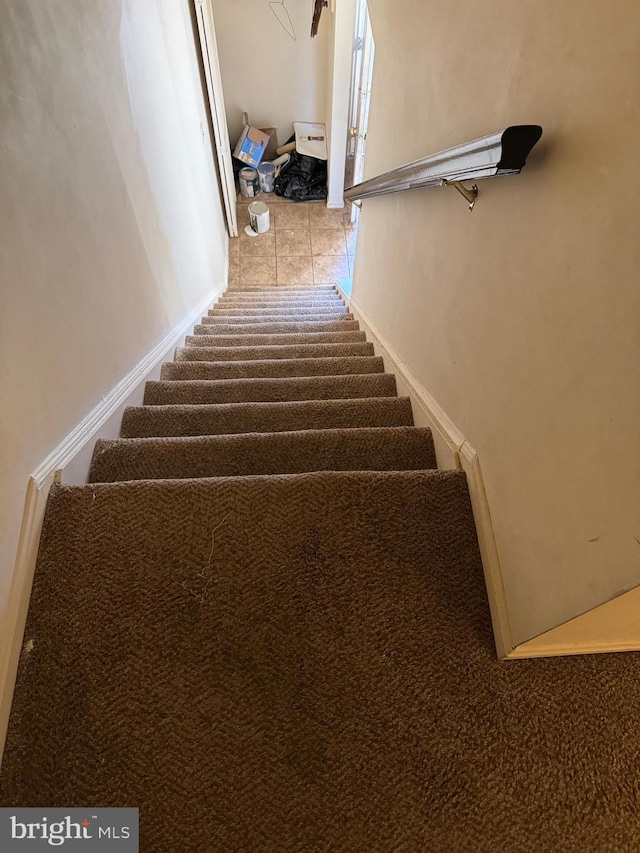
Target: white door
<point>360,99</point>
<point>209,48</point>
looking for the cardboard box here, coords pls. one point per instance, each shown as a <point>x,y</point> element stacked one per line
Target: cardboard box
<point>272,133</point>
<point>251,146</point>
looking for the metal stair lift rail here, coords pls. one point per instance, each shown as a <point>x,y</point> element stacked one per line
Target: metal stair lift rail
<point>501,153</point>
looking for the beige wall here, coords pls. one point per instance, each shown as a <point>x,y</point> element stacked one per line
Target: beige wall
<point>264,71</point>
<point>112,228</point>
<point>523,318</point>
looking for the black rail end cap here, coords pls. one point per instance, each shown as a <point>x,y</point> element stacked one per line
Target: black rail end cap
<point>517,142</point>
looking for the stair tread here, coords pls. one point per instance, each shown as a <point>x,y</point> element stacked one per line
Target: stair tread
<point>271,352</point>
<point>203,340</point>
<point>373,448</point>
<point>326,306</point>
<point>283,288</point>
<point>279,311</point>
<point>207,328</point>
<point>221,418</point>
<point>248,299</point>
<point>331,366</point>
<point>275,389</point>
<point>272,322</point>
<point>197,620</point>
<point>245,319</point>
<point>294,299</point>
<point>218,327</point>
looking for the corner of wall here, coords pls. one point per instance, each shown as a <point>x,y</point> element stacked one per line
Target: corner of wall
<point>612,627</point>
<point>452,451</point>
<point>19,593</point>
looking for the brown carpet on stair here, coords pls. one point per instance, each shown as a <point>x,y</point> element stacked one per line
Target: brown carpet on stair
<point>271,367</point>
<point>271,319</point>
<point>283,289</point>
<point>249,299</point>
<point>276,389</point>
<point>281,294</point>
<point>324,305</point>
<point>254,674</point>
<point>264,623</point>
<point>225,418</point>
<point>217,340</point>
<point>211,326</point>
<point>276,312</point>
<point>368,449</point>
<point>272,351</point>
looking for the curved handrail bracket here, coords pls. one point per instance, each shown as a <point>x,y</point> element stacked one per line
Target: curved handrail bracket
<point>469,194</point>
<point>501,153</point>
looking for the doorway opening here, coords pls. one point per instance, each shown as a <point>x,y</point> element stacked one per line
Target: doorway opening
<point>362,59</point>
<point>360,99</point>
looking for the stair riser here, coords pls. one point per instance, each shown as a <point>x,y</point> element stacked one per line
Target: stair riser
<point>381,449</point>
<point>220,311</point>
<point>212,326</point>
<point>208,340</point>
<point>144,421</point>
<point>199,370</point>
<point>271,296</point>
<point>280,297</point>
<point>272,352</point>
<point>274,319</point>
<point>282,303</point>
<point>277,306</point>
<point>284,288</point>
<point>269,390</point>
<point>303,301</point>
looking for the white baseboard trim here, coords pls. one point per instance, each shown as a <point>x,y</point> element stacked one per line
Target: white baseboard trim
<point>103,421</point>
<point>613,626</point>
<point>88,429</point>
<point>452,451</point>
<point>594,647</point>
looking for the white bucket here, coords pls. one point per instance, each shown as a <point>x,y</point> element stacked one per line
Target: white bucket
<point>259,217</point>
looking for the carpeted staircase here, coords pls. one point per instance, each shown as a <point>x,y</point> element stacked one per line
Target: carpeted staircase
<point>263,621</point>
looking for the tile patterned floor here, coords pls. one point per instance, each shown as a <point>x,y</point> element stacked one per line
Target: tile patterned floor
<point>306,244</point>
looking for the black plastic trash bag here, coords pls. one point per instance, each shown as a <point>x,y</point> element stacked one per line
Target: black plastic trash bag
<point>302,178</point>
